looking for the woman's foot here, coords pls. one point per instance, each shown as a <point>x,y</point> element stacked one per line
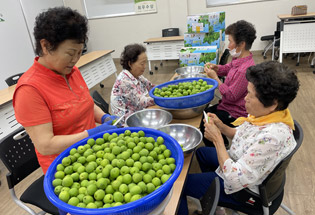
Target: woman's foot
<point>220,211</point>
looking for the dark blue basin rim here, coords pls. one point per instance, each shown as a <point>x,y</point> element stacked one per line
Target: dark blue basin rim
<point>129,208</point>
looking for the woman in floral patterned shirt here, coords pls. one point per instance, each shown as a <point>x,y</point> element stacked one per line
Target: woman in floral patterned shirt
<point>130,92</point>
<point>259,142</point>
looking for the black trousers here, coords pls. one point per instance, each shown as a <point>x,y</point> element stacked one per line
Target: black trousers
<point>224,116</point>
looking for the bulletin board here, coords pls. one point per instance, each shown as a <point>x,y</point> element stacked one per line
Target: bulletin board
<point>214,3</point>
<point>96,9</point>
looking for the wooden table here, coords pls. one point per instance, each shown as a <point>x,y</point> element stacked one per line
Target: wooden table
<point>164,48</point>
<point>96,66</point>
<point>297,33</point>
<point>6,94</point>
<point>172,206</point>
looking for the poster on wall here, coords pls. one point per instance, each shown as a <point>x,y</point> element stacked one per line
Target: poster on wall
<point>145,6</point>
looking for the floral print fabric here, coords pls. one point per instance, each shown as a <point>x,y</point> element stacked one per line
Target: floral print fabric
<point>255,151</point>
<point>130,94</point>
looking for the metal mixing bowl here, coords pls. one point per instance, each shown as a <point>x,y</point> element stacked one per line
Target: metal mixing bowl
<point>189,70</point>
<point>187,136</point>
<point>149,118</point>
<point>187,113</point>
<point>197,75</point>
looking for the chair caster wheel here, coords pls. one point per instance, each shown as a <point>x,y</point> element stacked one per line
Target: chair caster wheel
<point>312,66</point>
<point>156,68</point>
<point>265,57</point>
<point>151,73</point>
<point>161,64</point>
<point>297,64</point>
<point>314,72</point>
<point>262,53</point>
<point>101,85</point>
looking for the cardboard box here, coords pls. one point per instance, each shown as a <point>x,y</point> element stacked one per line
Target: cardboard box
<point>198,24</point>
<point>207,23</point>
<point>202,39</point>
<point>198,56</point>
<point>217,21</point>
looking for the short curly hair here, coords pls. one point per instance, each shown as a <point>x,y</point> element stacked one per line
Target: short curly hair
<point>273,81</point>
<point>242,31</point>
<point>57,25</point>
<point>130,54</point>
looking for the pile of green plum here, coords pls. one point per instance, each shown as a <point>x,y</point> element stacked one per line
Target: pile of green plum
<point>183,89</point>
<point>113,170</point>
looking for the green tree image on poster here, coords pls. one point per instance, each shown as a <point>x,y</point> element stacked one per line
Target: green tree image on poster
<point>188,50</point>
<point>189,27</point>
<point>222,17</point>
<point>211,36</point>
<point>204,19</point>
<point>187,44</point>
<point>206,57</point>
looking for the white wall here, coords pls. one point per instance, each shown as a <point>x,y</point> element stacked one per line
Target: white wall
<point>115,33</point>
<point>262,14</point>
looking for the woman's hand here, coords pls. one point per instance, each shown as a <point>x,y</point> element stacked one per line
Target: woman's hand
<point>216,121</point>
<point>211,72</point>
<point>212,132</point>
<point>212,66</point>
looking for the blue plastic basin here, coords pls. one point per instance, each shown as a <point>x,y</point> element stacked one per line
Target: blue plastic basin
<point>140,207</point>
<point>185,101</point>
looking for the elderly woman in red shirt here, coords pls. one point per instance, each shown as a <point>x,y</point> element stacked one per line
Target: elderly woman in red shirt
<point>51,100</point>
<point>241,36</point>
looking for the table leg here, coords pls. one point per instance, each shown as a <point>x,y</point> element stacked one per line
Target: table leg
<point>151,73</point>
<point>281,46</point>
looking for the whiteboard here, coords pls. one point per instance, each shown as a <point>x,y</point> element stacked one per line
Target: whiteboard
<point>95,9</point>
<point>17,53</point>
<point>214,3</point>
<point>32,8</point>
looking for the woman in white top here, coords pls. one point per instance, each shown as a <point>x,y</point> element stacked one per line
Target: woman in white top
<point>259,142</point>
<point>130,92</point>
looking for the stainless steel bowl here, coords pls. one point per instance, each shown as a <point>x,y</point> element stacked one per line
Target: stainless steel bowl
<point>187,113</point>
<point>149,118</point>
<point>187,136</point>
<point>197,75</point>
<point>189,70</point>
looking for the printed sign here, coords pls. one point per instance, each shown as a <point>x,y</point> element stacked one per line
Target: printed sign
<point>145,6</point>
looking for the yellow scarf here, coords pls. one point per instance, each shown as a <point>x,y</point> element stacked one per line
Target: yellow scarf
<point>278,116</point>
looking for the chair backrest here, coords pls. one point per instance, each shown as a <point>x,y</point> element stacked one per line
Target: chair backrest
<point>13,79</point>
<point>210,199</point>
<point>99,101</point>
<point>170,32</point>
<point>225,56</point>
<point>17,152</point>
<point>273,185</point>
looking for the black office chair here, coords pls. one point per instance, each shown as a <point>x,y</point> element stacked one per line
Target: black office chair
<point>210,199</point>
<point>13,79</point>
<point>271,190</point>
<point>224,58</point>
<point>274,42</point>
<point>18,155</point>
<point>99,101</point>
